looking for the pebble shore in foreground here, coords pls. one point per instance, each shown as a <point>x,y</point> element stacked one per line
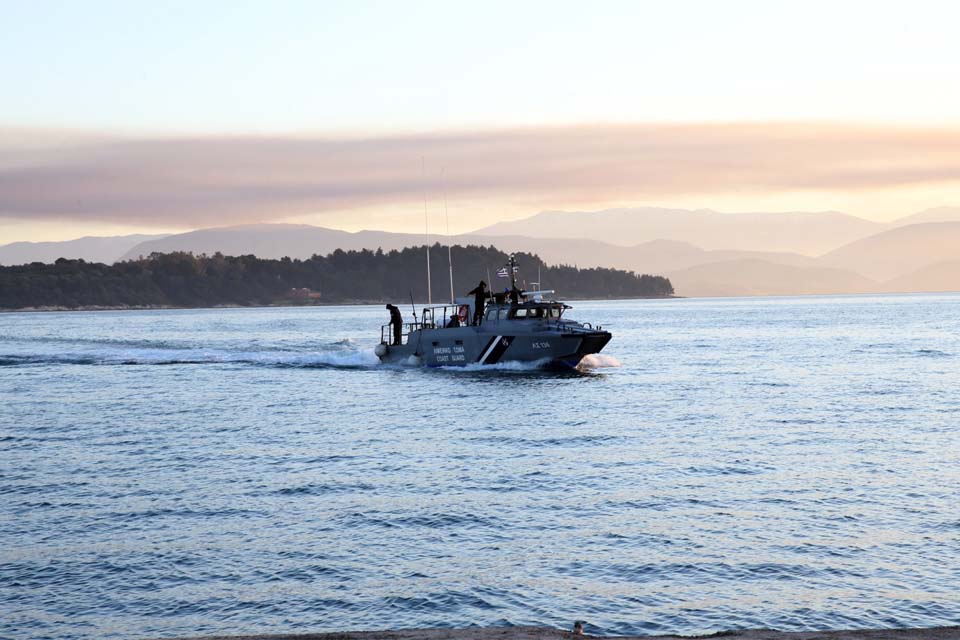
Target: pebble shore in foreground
<point>539,633</point>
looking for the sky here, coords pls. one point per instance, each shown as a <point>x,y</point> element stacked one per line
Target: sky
<point>121,117</point>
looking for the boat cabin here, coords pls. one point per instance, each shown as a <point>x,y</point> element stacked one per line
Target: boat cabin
<point>525,311</point>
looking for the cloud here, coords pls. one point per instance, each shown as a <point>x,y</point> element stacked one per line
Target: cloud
<point>206,181</point>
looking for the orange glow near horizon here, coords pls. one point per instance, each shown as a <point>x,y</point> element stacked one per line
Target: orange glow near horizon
<point>65,188</point>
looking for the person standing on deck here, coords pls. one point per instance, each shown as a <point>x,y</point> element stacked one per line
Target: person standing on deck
<point>396,322</point>
<point>479,294</point>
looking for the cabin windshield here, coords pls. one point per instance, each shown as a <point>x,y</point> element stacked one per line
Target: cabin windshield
<point>536,313</point>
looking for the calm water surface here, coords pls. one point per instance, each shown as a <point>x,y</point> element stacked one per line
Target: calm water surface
<point>784,462</point>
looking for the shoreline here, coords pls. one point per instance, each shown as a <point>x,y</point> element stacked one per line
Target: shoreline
<point>352,303</point>
<point>344,303</point>
<point>544,633</point>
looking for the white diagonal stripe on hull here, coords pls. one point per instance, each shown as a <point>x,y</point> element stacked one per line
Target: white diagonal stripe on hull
<point>493,345</point>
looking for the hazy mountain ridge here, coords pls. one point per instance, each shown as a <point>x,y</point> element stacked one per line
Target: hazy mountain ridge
<point>896,258</point>
<point>936,214</point>
<point>942,276</point>
<point>791,232</point>
<point>693,270</point>
<point>302,241</point>
<point>751,277</point>
<point>899,251</point>
<point>262,240</point>
<point>90,248</point>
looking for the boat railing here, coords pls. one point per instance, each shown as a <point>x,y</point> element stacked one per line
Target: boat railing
<point>440,316</point>
<point>386,332</point>
<point>576,327</point>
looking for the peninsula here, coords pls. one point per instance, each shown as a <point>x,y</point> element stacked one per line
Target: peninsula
<point>184,280</point>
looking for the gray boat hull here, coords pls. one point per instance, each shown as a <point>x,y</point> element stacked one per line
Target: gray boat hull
<point>562,346</point>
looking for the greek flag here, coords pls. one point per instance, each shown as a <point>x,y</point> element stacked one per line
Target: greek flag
<point>503,273</point>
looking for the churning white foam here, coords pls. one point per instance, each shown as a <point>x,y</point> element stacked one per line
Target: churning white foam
<point>364,358</point>
<point>506,365</point>
<point>598,361</point>
<point>348,358</point>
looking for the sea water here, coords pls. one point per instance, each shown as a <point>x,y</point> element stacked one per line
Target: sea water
<point>791,463</point>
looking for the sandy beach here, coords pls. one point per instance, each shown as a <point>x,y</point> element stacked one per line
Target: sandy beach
<point>541,633</point>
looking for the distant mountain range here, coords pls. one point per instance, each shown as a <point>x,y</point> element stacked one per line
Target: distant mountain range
<point>810,234</point>
<point>912,258</point>
<point>751,277</point>
<point>899,251</point>
<point>90,248</point>
<point>804,233</point>
<point>937,214</point>
<point>704,253</point>
<point>302,241</point>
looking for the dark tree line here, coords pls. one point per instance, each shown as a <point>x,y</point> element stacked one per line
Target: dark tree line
<point>184,280</point>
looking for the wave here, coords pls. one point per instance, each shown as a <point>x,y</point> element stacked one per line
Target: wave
<point>321,359</point>
<point>340,359</point>
<point>173,345</point>
<point>932,353</point>
<point>598,361</point>
<point>336,355</point>
<point>136,343</point>
<point>506,365</point>
<point>593,361</point>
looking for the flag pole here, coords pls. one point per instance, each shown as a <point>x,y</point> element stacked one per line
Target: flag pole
<point>426,227</point>
<point>446,212</point>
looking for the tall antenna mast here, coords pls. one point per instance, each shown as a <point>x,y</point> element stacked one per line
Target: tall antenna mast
<point>443,179</point>
<point>426,227</point>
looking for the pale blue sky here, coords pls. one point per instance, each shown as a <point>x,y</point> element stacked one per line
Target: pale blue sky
<point>218,67</point>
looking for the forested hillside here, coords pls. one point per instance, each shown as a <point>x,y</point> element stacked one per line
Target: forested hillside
<point>184,280</point>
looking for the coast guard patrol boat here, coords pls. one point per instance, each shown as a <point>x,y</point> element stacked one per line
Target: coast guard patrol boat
<point>528,326</point>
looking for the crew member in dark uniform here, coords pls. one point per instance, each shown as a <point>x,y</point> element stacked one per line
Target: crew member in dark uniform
<point>396,322</point>
<point>480,296</point>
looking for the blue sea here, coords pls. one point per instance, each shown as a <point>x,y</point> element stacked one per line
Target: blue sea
<point>790,463</point>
